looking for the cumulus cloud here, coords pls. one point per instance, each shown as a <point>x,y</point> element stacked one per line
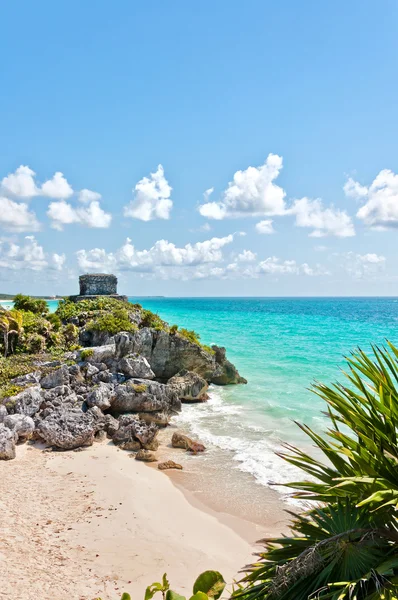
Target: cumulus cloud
<point>16,216</point>
<point>265,227</point>
<point>380,208</point>
<point>57,187</point>
<point>161,254</point>
<point>22,184</point>
<point>323,221</point>
<point>87,196</point>
<point>251,193</point>
<point>151,198</point>
<point>362,266</point>
<point>62,213</point>
<point>246,256</point>
<point>29,255</point>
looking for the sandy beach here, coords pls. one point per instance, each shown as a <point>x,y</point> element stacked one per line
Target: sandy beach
<point>95,523</point>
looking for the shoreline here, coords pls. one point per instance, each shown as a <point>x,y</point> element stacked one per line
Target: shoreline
<point>112,523</point>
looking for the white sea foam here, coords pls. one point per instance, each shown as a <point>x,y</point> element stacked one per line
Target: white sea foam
<point>219,423</point>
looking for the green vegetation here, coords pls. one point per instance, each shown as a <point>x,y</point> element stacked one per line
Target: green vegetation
<point>29,304</point>
<point>10,327</point>
<point>140,388</point>
<point>347,547</point>
<point>9,389</point>
<point>149,319</point>
<point>209,585</point>
<point>68,309</point>
<point>86,353</point>
<point>192,337</point>
<point>113,322</point>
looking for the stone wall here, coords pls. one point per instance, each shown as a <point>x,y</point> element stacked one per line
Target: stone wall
<point>97,284</point>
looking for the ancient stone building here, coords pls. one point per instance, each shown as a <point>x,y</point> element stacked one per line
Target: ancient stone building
<point>97,284</point>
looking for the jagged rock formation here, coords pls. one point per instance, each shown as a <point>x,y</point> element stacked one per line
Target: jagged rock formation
<point>125,388</point>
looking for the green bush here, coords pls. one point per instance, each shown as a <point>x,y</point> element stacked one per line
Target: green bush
<point>149,319</point>
<point>67,308</point>
<point>34,343</point>
<point>55,321</point>
<point>70,334</point>
<point>173,329</point>
<point>9,389</point>
<point>113,322</point>
<point>33,323</point>
<point>15,366</point>
<point>190,335</point>
<point>86,353</point>
<point>33,305</point>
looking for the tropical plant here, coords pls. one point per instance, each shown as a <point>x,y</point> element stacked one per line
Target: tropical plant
<point>38,306</point>
<point>11,327</point>
<point>345,548</point>
<point>208,586</point>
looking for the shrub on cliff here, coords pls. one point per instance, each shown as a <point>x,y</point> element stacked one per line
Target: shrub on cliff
<point>347,547</point>
<point>113,322</point>
<point>37,306</point>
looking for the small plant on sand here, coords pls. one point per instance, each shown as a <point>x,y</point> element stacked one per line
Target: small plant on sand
<point>209,585</point>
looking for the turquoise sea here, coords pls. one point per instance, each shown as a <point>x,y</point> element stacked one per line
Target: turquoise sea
<point>280,345</point>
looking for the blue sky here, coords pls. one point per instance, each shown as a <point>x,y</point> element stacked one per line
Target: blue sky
<point>304,93</point>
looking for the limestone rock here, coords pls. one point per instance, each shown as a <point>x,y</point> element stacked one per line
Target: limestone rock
<point>56,378</point>
<point>100,396</point>
<point>7,443</point>
<point>133,445</point>
<point>135,367</point>
<point>161,419</point>
<point>28,401</point>
<point>111,425</point>
<point>169,354</point>
<point>28,379</point>
<point>180,440</point>
<point>189,386</point>
<point>68,429</point>
<point>146,456</point>
<point>143,395</point>
<point>101,354</point>
<point>169,464</point>
<point>131,428</point>
<point>21,425</point>
<point>3,413</point>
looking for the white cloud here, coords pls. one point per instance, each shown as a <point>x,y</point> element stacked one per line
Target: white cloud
<point>29,255</point>
<point>62,213</point>
<point>21,183</point>
<point>246,256</point>
<point>353,189</point>
<point>57,187</point>
<point>265,227</point>
<point>362,266</point>
<point>323,221</point>
<point>274,265</point>
<point>208,193</point>
<point>251,193</point>
<point>87,196</point>
<point>16,216</point>
<point>161,254</point>
<point>151,198</point>
<point>380,208</point>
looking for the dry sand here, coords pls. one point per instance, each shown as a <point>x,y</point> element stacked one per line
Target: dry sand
<point>82,525</point>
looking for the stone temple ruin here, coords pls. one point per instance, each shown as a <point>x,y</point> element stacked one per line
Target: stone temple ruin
<point>93,285</point>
